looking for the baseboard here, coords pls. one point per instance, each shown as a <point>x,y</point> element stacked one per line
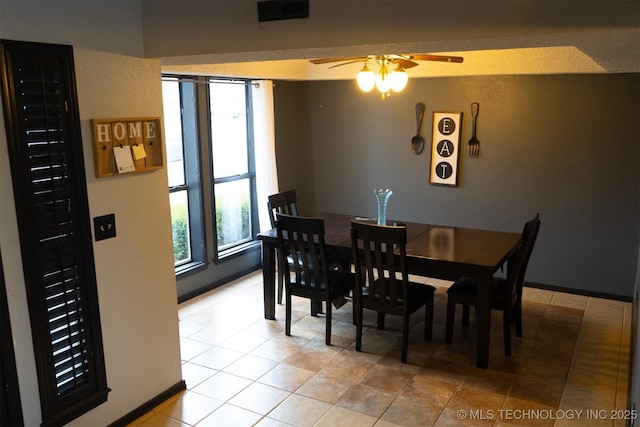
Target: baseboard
<point>212,286</point>
<point>602,295</point>
<point>149,405</point>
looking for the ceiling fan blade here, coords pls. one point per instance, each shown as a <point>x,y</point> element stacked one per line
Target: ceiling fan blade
<point>328,60</point>
<point>441,58</point>
<point>404,63</point>
<point>348,62</point>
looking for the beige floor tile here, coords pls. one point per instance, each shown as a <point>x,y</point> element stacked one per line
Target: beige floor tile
<point>243,369</point>
<point>222,386</point>
<point>189,407</point>
<point>259,398</point>
<point>436,391</point>
<point>569,300</point>
<point>229,415</point>
<point>277,349</point>
<point>286,377</point>
<point>190,348</point>
<point>213,334</point>
<point>153,419</point>
<point>300,411</point>
<point>342,417</point>
<point>193,374</point>
<point>243,342</point>
<point>217,358</point>
<point>387,379</point>
<point>323,388</point>
<point>412,412</point>
<point>367,400</point>
<point>537,391</point>
<point>310,359</point>
<point>251,367</point>
<point>594,382</point>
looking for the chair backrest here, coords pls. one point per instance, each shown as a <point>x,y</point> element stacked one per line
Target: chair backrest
<point>284,203</point>
<point>517,269</point>
<point>379,255</point>
<point>529,236</point>
<point>302,251</point>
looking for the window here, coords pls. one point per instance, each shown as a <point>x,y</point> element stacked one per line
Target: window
<point>183,163</point>
<point>234,177</point>
<point>210,118</point>
<point>47,169</point>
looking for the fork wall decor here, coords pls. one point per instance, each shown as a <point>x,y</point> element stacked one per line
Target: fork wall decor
<point>445,147</point>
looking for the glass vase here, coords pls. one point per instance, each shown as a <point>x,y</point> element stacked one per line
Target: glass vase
<point>382,197</point>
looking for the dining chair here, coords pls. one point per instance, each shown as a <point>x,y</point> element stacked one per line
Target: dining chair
<point>284,202</point>
<point>309,275</point>
<point>382,280</point>
<point>506,293</point>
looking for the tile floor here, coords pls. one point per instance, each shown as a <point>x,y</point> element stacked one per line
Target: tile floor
<point>569,369</point>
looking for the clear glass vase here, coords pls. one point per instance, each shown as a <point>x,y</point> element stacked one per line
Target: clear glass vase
<point>382,197</point>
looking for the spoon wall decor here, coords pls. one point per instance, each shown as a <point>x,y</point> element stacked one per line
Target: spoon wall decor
<point>417,142</point>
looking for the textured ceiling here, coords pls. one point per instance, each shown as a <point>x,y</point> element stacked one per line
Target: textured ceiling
<point>614,51</point>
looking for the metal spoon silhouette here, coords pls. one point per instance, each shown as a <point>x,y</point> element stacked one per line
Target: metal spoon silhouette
<point>417,142</point>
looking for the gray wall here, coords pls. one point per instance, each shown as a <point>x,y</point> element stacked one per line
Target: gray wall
<point>565,146</point>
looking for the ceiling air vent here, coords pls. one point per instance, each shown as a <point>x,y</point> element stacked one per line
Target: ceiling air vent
<point>275,10</point>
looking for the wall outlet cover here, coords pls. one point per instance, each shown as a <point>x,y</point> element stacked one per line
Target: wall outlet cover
<point>104,227</point>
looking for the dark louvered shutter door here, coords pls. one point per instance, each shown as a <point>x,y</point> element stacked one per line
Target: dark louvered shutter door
<point>45,149</point>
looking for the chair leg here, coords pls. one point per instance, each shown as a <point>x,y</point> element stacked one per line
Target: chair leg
<point>327,339</point>
<point>405,338</point>
<point>354,308</point>
<point>287,322</point>
<point>316,307</point>
<point>506,325</point>
<point>451,313</point>
<point>428,320</point>
<point>359,316</point>
<point>280,286</point>
<point>517,316</point>
<point>381,321</point>
<point>465,315</point>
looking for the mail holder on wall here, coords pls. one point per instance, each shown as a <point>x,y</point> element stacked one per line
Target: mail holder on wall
<point>126,145</point>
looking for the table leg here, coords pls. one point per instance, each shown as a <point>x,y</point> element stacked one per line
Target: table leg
<point>269,279</point>
<point>483,313</point>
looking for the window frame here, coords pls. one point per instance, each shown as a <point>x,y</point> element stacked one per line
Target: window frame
<point>201,159</point>
<point>189,124</point>
<point>246,244</point>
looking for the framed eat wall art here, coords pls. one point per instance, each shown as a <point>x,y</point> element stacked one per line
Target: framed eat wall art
<point>445,146</point>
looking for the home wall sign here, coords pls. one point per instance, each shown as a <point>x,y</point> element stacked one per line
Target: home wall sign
<point>126,145</point>
<point>445,144</point>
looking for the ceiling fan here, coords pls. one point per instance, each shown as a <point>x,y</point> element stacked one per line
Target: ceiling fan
<point>386,72</point>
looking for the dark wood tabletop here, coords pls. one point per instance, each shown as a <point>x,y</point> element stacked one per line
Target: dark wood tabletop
<point>432,250</point>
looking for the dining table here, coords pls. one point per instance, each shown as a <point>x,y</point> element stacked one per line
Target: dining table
<point>443,252</point>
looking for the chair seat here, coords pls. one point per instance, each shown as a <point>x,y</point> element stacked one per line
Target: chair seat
<point>343,281</point>
<point>417,294</point>
<point>465,290</point>
<point>469,285</point>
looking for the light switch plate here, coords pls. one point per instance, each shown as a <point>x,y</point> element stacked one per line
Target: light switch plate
<point>104,227</point>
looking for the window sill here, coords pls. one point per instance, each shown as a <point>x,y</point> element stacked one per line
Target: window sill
<point>190,268</point>
<point>236,251</point>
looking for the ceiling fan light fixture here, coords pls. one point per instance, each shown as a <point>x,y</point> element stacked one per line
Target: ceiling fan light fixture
<point>382,80</point>
<point>398,79</point>
<point>366,79</point>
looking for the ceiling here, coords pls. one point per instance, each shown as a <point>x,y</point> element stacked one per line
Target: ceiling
<point>585,52</point>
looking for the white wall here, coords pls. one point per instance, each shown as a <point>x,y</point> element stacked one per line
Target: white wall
<point>136,282</point>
